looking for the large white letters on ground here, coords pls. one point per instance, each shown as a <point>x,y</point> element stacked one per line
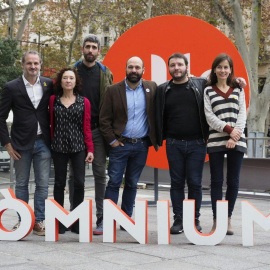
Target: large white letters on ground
<point>23,209</point>
<point>163,222</point>
<point>113,213</point>
<point>198,238</point>
<point>251,214</point>
<point>54,212</point>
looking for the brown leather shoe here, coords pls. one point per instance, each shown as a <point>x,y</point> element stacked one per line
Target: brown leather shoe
<point>39,228</point>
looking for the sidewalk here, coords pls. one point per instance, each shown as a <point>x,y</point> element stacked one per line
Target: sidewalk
<point>34,253</point>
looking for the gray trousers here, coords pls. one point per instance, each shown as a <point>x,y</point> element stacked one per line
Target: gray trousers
<point>99,172</point>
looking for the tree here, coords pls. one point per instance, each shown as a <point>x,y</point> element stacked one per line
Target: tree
<point>9,54</point>
<point>249,48</point>
<point>12,15</point>
<point>76,17</point>
<point>56,32</point>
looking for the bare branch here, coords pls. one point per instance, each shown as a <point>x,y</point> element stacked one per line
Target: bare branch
<point>255,35</point>
<point>149,5</point>
<point>144,3</point>
<point>29,9</point>
<point>4,10</point>
<point>225,17</point>
<point>77,19</point>
<point>71,10</point>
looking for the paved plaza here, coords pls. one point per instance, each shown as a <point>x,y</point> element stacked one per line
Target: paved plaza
<point>34,253</point>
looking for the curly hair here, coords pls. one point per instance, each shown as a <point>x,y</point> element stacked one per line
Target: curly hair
<point>212,79</point>
<point>58,90</point>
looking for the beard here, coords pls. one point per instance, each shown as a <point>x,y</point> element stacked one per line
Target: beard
<point>181,77</point>
<point>134,77</point>
<point>90,57</point>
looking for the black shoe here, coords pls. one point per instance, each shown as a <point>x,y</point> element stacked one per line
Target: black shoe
<point>99,220</point>
<point>61,228</point>
<point>75,227</point>
<point>177,226</point>
<point>197,225</point>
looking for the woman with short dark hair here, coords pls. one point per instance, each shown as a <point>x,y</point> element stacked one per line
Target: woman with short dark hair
<point>71,136</point>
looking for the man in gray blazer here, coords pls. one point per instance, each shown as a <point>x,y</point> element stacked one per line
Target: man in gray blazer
<point>127,122</point>
<point>28,98</point>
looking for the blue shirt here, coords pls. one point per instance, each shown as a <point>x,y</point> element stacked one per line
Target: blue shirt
<point>137,125</point>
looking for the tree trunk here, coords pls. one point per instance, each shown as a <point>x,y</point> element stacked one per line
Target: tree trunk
<point>27,13</point>
<point>77,20</point>
<point>11,18</point>
<point>149,5</point>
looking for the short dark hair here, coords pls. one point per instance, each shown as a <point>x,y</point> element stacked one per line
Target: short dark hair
<point>178,55</point>
<point>91,38</point>
<point>31,52</point>
<point>58,90</point>
<point>212,79</point>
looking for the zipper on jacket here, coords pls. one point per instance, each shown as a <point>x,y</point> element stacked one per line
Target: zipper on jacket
<point>196,90</point>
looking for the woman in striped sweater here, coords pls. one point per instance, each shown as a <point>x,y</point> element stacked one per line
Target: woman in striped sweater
<point>225,111</point>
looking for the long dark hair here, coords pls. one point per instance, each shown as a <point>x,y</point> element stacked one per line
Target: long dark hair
<point>58,90</point>
<point>212,79</point>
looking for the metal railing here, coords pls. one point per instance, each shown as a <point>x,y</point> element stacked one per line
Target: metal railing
<point>263,144</point>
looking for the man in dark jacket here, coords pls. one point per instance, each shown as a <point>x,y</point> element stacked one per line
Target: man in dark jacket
<point>127,122</point>
<point>181,121</point>
<point>28,98</point>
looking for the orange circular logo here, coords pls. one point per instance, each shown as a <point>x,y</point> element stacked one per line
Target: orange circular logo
<point>154,40</point>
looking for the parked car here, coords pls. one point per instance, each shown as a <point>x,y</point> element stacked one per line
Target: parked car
<point>4,159</point>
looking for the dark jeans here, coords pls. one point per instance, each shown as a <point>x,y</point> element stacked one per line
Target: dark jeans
<point>129,159</point>
<point>60,161</point>
<point>186,160</point>
<point>234,163</point>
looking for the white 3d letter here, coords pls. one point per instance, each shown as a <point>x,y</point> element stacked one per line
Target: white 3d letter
<point>163,222</point>
<point>113,213</point>
<point>23,209</point>
<point>198,238</point>
<point>251,214</point>
<point>54,212</point>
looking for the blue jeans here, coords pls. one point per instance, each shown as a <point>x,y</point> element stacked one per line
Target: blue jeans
<point>234,163</point>
<point>186,160</point>
<point>129,159</point>
<point>41,156</point>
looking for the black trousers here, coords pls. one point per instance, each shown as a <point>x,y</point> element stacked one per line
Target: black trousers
<point>60,161</point>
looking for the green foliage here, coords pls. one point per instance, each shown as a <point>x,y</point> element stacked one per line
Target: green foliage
<point>9,64</point>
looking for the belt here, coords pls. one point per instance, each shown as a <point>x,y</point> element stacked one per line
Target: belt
<point>39,136</point>
<point>131,140</point>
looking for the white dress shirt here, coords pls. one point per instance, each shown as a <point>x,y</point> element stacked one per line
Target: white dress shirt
<point>35,93</point>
